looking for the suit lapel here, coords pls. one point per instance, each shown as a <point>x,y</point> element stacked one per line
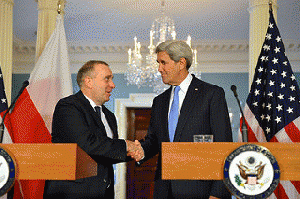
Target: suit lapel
<point>187,106</point>
<point>87,106</point>
<point>164,114</point>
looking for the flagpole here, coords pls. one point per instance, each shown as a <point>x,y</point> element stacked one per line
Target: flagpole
<point>59,7</point>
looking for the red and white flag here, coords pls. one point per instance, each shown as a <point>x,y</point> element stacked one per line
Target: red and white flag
<point>30,120</point>
<point>272,109</point>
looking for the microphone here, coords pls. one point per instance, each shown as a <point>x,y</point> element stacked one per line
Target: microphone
<point>233,88</point>
<point>10,109</point>
<point>244,127</point>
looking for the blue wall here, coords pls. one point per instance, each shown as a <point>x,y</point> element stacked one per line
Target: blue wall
<point>122,90</point>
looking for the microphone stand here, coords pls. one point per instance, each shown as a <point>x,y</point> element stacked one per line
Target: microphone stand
<point>10,109</point>
<point>244,126</point>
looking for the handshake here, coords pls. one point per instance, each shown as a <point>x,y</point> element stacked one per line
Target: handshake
<point>135,150</point>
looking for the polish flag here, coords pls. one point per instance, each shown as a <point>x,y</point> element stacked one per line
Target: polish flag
<point>31,118</point>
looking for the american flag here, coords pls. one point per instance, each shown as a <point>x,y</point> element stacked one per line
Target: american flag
<point>272,108</point>
<point>3,102</point>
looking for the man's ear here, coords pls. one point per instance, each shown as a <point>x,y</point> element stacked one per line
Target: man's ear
<point>88,82</point>
<point>182,63</point>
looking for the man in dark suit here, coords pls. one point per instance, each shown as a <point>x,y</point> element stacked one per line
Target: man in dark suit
<point>201,110</point>
<point>83,119</point>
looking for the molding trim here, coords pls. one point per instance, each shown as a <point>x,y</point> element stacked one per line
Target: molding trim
<point>201,46</point>
<point>213,56</point>
<point>139,100</point>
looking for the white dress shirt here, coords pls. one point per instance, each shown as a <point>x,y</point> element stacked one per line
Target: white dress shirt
<point>103,118</point>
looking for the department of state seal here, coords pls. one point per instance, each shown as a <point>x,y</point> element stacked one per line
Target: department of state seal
<point>251,170</point>
<point>7,171</point>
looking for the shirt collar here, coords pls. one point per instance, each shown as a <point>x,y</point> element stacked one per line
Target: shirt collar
<point>185,83</point>
<point>93,104</point>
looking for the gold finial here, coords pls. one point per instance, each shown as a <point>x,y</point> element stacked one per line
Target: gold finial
<point>270,5</point>
<point>59,7</point>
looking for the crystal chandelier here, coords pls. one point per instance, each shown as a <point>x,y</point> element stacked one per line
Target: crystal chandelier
<point>144,72</point>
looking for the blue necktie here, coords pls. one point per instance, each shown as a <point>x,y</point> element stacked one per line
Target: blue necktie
<point>173,116</point>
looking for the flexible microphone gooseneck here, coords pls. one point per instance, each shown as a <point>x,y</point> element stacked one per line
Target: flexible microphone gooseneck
<point>244,127</point>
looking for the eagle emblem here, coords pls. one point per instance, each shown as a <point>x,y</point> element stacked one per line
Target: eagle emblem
<point>251,174</point>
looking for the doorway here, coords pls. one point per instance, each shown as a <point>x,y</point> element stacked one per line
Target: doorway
<point>140,179</point>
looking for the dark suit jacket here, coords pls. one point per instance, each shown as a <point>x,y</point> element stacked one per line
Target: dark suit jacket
<point>204,111</point>
<point>75,121</point>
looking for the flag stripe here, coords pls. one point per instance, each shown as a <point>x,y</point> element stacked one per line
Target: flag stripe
<point>297,186</point>
<point>280,192</point>
<point>293,132</point>
<point>25,122</point>
<point>290,190</point>
<point>281,136</point>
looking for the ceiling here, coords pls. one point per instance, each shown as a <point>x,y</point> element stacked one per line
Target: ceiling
<point>115,22</point>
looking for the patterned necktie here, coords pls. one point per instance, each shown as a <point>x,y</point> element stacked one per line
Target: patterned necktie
<point>98,110</point>
<point>173,116</point>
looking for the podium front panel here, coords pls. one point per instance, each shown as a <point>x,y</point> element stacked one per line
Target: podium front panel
<point>205,161</point>
<point>51,161</point>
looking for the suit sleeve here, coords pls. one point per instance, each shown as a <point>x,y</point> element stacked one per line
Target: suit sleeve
<point>151,144</point>
<point>221,128</point>
<point>72,124</point>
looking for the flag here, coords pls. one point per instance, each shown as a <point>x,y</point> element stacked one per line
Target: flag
<point>3,109</point>
<point>3,104</point>
<point>30,120</point>
<point>272,108</point>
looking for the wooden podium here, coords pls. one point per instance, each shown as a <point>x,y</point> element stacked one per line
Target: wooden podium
<point>205,161</point>
<point>51,161</point>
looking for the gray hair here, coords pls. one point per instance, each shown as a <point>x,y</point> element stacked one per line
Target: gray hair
<point>177,50</point>
<point>87,69</point>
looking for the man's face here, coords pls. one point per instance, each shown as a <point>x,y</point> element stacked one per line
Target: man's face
<point>101,84</point>
<point>169,69</point>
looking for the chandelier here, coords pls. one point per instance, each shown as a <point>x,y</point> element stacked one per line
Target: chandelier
<point>144,72</point>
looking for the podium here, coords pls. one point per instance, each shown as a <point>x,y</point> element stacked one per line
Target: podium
<point>51,161</point>
<point>205,161</point>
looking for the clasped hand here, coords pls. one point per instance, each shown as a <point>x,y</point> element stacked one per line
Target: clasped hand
<point>135,150</point>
